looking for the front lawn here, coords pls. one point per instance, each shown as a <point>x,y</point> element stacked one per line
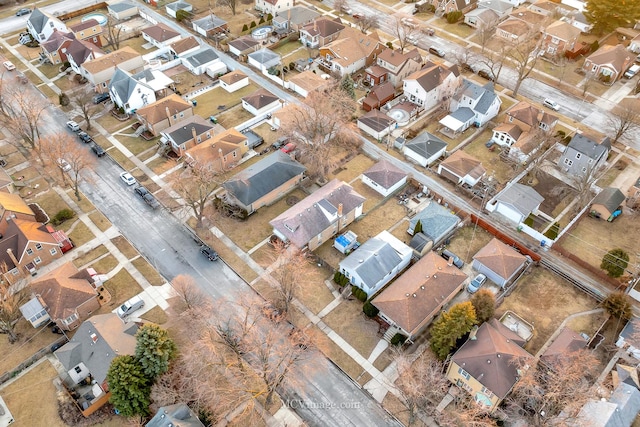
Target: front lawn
<point>348,321</point>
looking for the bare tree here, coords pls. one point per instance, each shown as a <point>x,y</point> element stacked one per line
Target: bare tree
<point>404,31</point>
<point>622,121</point>
<point>340,5</point>
<point>189,292</point>
<point>494,60</point>
<point>463,58</point>
<point>10,303</point>
<point>524,57</point>
<point>485,33</point>
<point>320,125</point>
<point>197,185</point>
<point>22,112</point>
<point>367,22</point>
<point>466,412</point>
<point>113,33</point>
<point>84,101</point>
<point>288,274</point>
<point>231,4</point>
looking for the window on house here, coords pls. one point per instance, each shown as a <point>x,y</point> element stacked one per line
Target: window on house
<point>235,154</point>
<point>38,246</point>
<point>29,251</point>
<point>77,369</point>
<point>487,392</point>
<point>578,155</point>
<point>464,373</point>
<point>37,260</point>
<point>568,162</point>
<point>53,251</point>
<point>14,271</point>
<point>584,169</point>
<point>199,139</point>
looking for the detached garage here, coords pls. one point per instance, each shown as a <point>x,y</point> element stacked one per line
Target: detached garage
<point>499,262</point>
<point>516,202</point>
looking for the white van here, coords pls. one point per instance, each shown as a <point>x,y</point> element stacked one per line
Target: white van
<point>632,71</point>
<point>130,306</point>
<point>549,103</point>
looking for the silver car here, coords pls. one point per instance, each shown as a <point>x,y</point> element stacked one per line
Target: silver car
<point>476,283</point>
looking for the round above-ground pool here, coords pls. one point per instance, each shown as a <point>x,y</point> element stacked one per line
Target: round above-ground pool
<point>400,116</point>
<point>102,19</point>
<point>262,32</point>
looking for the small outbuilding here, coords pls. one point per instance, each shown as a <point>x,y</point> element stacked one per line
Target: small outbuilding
<point>499,262</point>
<point>607,202</point>
<point>384,177</point>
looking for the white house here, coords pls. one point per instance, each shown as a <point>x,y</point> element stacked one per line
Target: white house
<point>41,25</point>
<point>306,82</point>
<point>243,45</point>
<point>122,10</point>
<point>424,149</point>
<point>209,26</point>
<point>377,124</point>
<point>234,81</point>
<point>516,202</point>
<point>173,8</point>
<point>376,262</point>
<point>273,6</point>
<point>160,35</point>
<point>430,85</point>
<point>261,102</point>
<point>461,168</point>
<point>472,105</point>
<point>264,59</point>
<point>129,93</point>
<point>202,60</point>
<point>384,178</point>
<point>499,262</point>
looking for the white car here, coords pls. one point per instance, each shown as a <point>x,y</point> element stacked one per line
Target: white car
<point>73,126</point>
<point>549,103</point>
<point>9,65</point>
<point>64,165</point>
<point>127,178</point>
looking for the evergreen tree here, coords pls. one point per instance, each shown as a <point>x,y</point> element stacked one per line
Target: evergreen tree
<point>154,349</point>
<point>130,388</point>
<point>615,262</point>
<point>418,228</point>
<point>347,85</point>
<point>451,326</point>
<point>607,15</point>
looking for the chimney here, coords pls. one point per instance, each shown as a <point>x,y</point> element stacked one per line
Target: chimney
<point>166,110</point>
<point>193,133</point>
<point>13,257</point>
<point>473,332</point>
<point>339,209</point>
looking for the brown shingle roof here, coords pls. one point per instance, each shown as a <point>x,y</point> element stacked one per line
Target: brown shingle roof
<point>396,57</point>
<point>567,341</point>
<point>377,120</point>
<point>324,27</point>
<point>233,77</point>
<point>156,112</point>
<point>385,174</point>
<point>183,45</point>
<point>83,25</point>
<point>220,144</point>
<point>352,46</point>
<point>110,60</point>
<point>416,296</point>
<point>617,56</point>
<point>562,30</point>
<point>160,32</point>
<point>260,98</point>
<point>63,290</point>
<point>14,203</point>
<point>308,80</point>
<point>532,116</point>
<point>431,76</point>
<point>463,164</point>
<point>500,258</point>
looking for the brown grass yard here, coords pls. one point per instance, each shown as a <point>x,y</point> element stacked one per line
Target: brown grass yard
<point>124,246</point>
<point>373,198</point>
<point>105,264</point>
<point>135,144</point>
<point>353,168</point>
<point>490,159</point>
<point>544,300</point>
<point>379,219</point>
<point>264,256</point>
<point>468,241</point>
<point>100,220</point>
<point>348,321</point>
<point>90,256</point>
<point>313,292</point>
<point>150,273</point>
<point>155,315</point>
<point>234,116</point>
<point>231,259</point>
<point>80,233</point>
<point>330,255</point>
<point>592,238</point>
<point>30,340</point>
<point>122,286</point>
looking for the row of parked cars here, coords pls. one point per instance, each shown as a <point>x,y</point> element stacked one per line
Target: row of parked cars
<point>86,138</point>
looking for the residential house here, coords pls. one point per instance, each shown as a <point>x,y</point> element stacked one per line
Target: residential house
<point>378,261</point>
<point>261,102</point>
<point>634,46</point>
<point>233,81</point>
<point>210,26</point>
<point>41,25</point>
<point>489,363</point>
<point>187,133</point>
<point>306,82</point>
<point>89,30</point>
<point>461,168</point>
<point>393,65</point>
<point>321,32</point>
<point>379,96</point>
<point>264,59</point>
<point>156,80</point>
<point>273,6</point>
<point>129,93</point>
<point>584,155</point>
<point>520,26</point>
<point>244,45</point>
<point>557,38</point>
<point>472,105</point>
<point>68,295</point>
<point>222,151</point>
<point>550,8</point>
<point>411,302</point>
<point>607,202</point>
<point>184,46</point>
<point>12,206</point>
<point>501,8</point>
<point>579,21</point>
<point>447,6</point>
<point>294,18</point>
<point>89,354</point>
<point>173,8</point>
<point>264,182</point>
<point>424,149</point>
<point>629,338</point>
<point>26,246</point>
<point>160,35</point>
<point>203,60</point>
<point>35,312</point>
<point>436,221</point>
<point>566,342</point>
<point>100,70</point>
<point>6,182</point>
<point>377,124</point>
<point>81,51</point>
<point>55,48</point>
<point>608,63</point>
<point>122,10</point>
<point>482,18</point>
<point>319,216</point>
<point>633,194</point>
<point>499,262</point>
<point>620,410</point>
<point>164,113</point>
<point>178,414</point>
<point>350,52</point>
<point>384,178</point>
<point>516,202</point>
<point>431,85</point>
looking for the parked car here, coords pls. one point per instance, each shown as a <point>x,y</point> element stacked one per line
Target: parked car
<point>476,283</point>
<point>56,346</point>
<point>209,253</point>
<point>346,9</point>
<point>437,51</point>
<point>141,191</point>
<point>409,22</point>
<point>98,150</point>
<point>279,143</point>
<point>73,126</point>
<point>485,75</point>
<point>151,201</point>
<point>551,104</point>
<point>127,178</point>
<point>101,97</point>
<point>130,306</point>
<point>450,256</point>
<point>64,165</point>
<point>289,148</point>
<point>413,40</point>
<point>632,71</point>
<point>23,11</point>
<point>9,65</point>
<point>84,137</point>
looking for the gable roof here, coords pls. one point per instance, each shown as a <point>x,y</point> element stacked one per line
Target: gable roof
<point>377,120</point>
<point>80,50</point>
<point>436,220</point>
<point>260,98</point>
<point>463,164</point>
<point>113,337</point>
<point>352,46</point>
<point>55,41</point>
<point>83,25</point>
<point>160,32</point>
<point>385,174</point>
<point>323,27</point>
<point>185,44</point>
<point>432,76</point>
<point>202,56</point>
<point>263,177</point>
<point>39,19</point>
<point>18,235</point>
<point>521,197</point>
<point>124,84</point>
<point>313,214</point>
<point>243,43</point>
<point>161,109</point>
<point>530,115</point>
<point>566,342</point>
<point>111,60</point>
<point>14,203</point>
<point>426,145</point>
<point>64,289</point>
<point>562,30</point>
<point>419,292</point>
<point>177,415</point>
<point>617,56</point>
<point>219,145</point>
<point>210,22</point>
<point>297,15</point>
<point>381,92</point>
<point>587,146</point>
<point>500,258</point>
<point>182,131</point>
<point>397,57</point>
<point>233,77</point>
<point>491,358</point>
<point>610,198</point>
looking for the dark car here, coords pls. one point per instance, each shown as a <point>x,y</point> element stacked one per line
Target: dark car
<point>209,253</point>
<point>23,11</point>
<point>98,150</point>
<point>101,97</point>
<point>450,256</point>
<point>151,201</point>
<point>141,191</point>
<point>56,346</point>
<point>84,137</point>
<point>485,75</point>
<point>437,51</point>
<point>280,142</point>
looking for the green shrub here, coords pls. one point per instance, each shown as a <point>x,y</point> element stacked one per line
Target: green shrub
<point>552,232</point>
<point>261,21</point>
<point>529,221</point>
<point>63,99</point>
<point>245,28</point>
<point>359,293</point>
<point>269,17</point>
<point>62,216</point>
<point>340,279</point>
<point>253,24</point>
<point>390,45</point>
<point>292,65</point>
<point>181,15</point>
<point>453,17</point>
<point>398,339</point>
<point>595,46</point>
<point>370,310</point>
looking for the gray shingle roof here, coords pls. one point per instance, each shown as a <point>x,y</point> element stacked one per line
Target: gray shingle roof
<point>385,174</point>
<point>210,22</point>
<point>178,415</point>
<point>610,198</point>
<point>585,145</point>
<point>521,197</point>
<point>263,177</point>
<point>372,261</point>
<point>463,114</point>
<point>436,221</point>
<point>487,99</point>
<point>263,56</point>
<point>426,144</point>
<point>182,131</point>
<point>38,20</point>
<point>124,84</point>
<point>201,56</point>
<point>178,5</point>
<point>377,120</point>
<point>122,6</point>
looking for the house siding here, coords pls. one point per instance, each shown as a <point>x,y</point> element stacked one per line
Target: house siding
<point>333,229</point>
<point>384,191</point>
<point>471,385</point>
<point>273,196</point>
<point>83,311</point>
